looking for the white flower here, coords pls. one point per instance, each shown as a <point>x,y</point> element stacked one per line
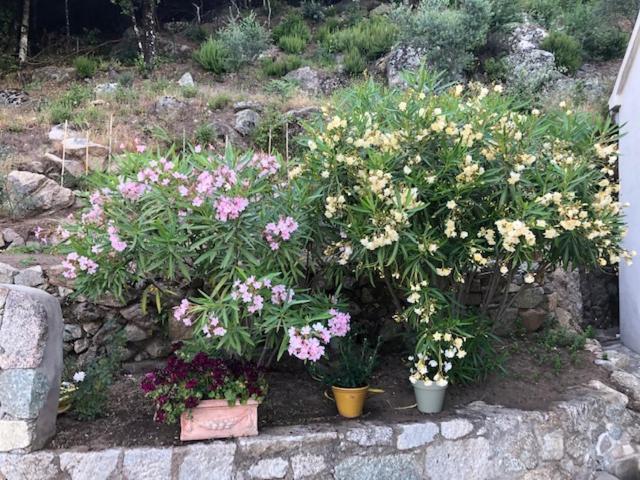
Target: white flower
<point>79,377</point>
<point>406,169</point>
<point>528,278</point>
<point>443,272</point>
<point>402,106</point>
<point>451,205</point>
<point>312,145</point>
<point>504,270</point>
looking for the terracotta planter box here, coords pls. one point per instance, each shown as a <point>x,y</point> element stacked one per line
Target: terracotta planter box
<point>216,419</point>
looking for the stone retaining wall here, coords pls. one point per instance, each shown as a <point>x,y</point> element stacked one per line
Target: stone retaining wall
<point>591,431</point>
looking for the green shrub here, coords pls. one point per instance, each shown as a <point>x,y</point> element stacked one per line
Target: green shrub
<point>195,33</point>
<point>281,66</point>
<point>219,101</point>
<point>245,38</point>
<point>85,66</point>
<point>205,134</point>
<point>503,14</point>
<point>544,11</point>
<point>62,108</point>
<point>214,56</point>
<point>293,25</point>
<point>605,43</point>
<point>449,36</point>
<point>312,10</point>
<point>354,62</point>
<point>404,196</point>
<point>282,87</point>
<point>125,79</point>
<point>566,50</point>
<point>371,37</point>
<point>90,399</point>
<point>189,91</point>
<point>495,69</point>
<point>292,44</point>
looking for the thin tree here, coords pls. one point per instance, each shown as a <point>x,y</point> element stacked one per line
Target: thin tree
<point>142,14</point>
<point>23,48</point>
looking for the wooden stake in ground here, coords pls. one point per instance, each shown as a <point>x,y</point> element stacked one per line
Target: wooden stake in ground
<point>269,149</point>
<point>110,142</point>
<point>86,156</point>
<point>64,152</point>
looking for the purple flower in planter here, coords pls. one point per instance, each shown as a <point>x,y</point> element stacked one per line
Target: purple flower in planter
<point>191,384</point>
<point>191,402</point>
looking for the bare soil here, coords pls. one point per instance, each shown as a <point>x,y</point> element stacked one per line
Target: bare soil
<point>534,379</point>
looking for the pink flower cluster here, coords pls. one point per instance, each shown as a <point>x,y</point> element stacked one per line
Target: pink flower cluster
<point>213,328</point>
<point>267,164</point>
<point>281,294</point>
<point>157,172</point>
<point>96,212</point>
<point>116,243</point>
<point>249,292</point>
<point>307,343</point>
<point>274,233</point>
<point>132,190</point>
<point>181,312</point>
<point>230,208</point>
<point>59,235</point>
<point>74,262</point>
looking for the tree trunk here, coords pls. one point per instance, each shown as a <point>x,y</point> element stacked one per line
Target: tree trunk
<point>66,19</point>
<point>149,33</point>
<point>23,49</point>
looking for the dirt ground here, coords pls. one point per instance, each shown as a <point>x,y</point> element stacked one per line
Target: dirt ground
<point>534,378</point>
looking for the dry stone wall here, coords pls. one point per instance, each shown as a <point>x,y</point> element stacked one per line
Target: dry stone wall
<point>592,431</point>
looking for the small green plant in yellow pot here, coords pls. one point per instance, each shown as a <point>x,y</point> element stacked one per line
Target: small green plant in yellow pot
<point>348,375</point>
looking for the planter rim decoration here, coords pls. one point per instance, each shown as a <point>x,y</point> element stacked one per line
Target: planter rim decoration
<point>430,398</point>
<point>218,419</point>
<point>350,401</point>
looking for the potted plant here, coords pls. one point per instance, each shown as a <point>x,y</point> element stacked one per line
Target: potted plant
<point>429,373</point>
<point>348,375</point>
<point>212,397</point>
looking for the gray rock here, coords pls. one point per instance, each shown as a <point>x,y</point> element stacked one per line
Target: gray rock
<point>303,113</point>
<point>629,383</point>
<point>388,467</point>
<point>32,193</point>
<point>308,79</point>
<point>31,365</point>
<point>105,89</point>
<point>167,104</point>
<point>30,277</point>
<point>98,465</point>
<point>81,345</point>
<point>307,465</point>
<point>186,80</point>
<point>416,434</point>
<point>370,435</point>
<point>7,273</point>
<point>11,236</point>
<point>470,458</point>
<point>135,334</point>
<point>71,332</point>
<point>246,121</point>
<point>147,464</point>
<point>16,435</point>
<point>529,297</point>
<point>158,348</point>
<point>400,59</point>
<point>53,74</point>
<point>207,461</point>
<point>456,428</point>
<point>269,468</point>
<point>22,393</point>
<point>39,465</point>
<point>248,105</point>
<point>57,133</point>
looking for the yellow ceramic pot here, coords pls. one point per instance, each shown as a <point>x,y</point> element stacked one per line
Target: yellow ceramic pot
<point>350,401</point>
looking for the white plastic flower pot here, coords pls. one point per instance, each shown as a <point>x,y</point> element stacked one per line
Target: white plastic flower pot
<point>430,398</point>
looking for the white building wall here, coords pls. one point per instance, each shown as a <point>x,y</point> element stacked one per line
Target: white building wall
<point>629,165</point>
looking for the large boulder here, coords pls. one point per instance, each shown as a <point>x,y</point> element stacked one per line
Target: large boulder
<point>246,121</point>
<point>529,67</point>
<point>308,79</point>
<point>31,331</point>
<point>30,193</point>
<point>400,59</point>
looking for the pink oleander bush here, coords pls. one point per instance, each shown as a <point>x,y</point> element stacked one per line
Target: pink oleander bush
<point>222,243</point>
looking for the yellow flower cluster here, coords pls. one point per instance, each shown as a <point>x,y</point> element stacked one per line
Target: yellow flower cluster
<point>512,232</point>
